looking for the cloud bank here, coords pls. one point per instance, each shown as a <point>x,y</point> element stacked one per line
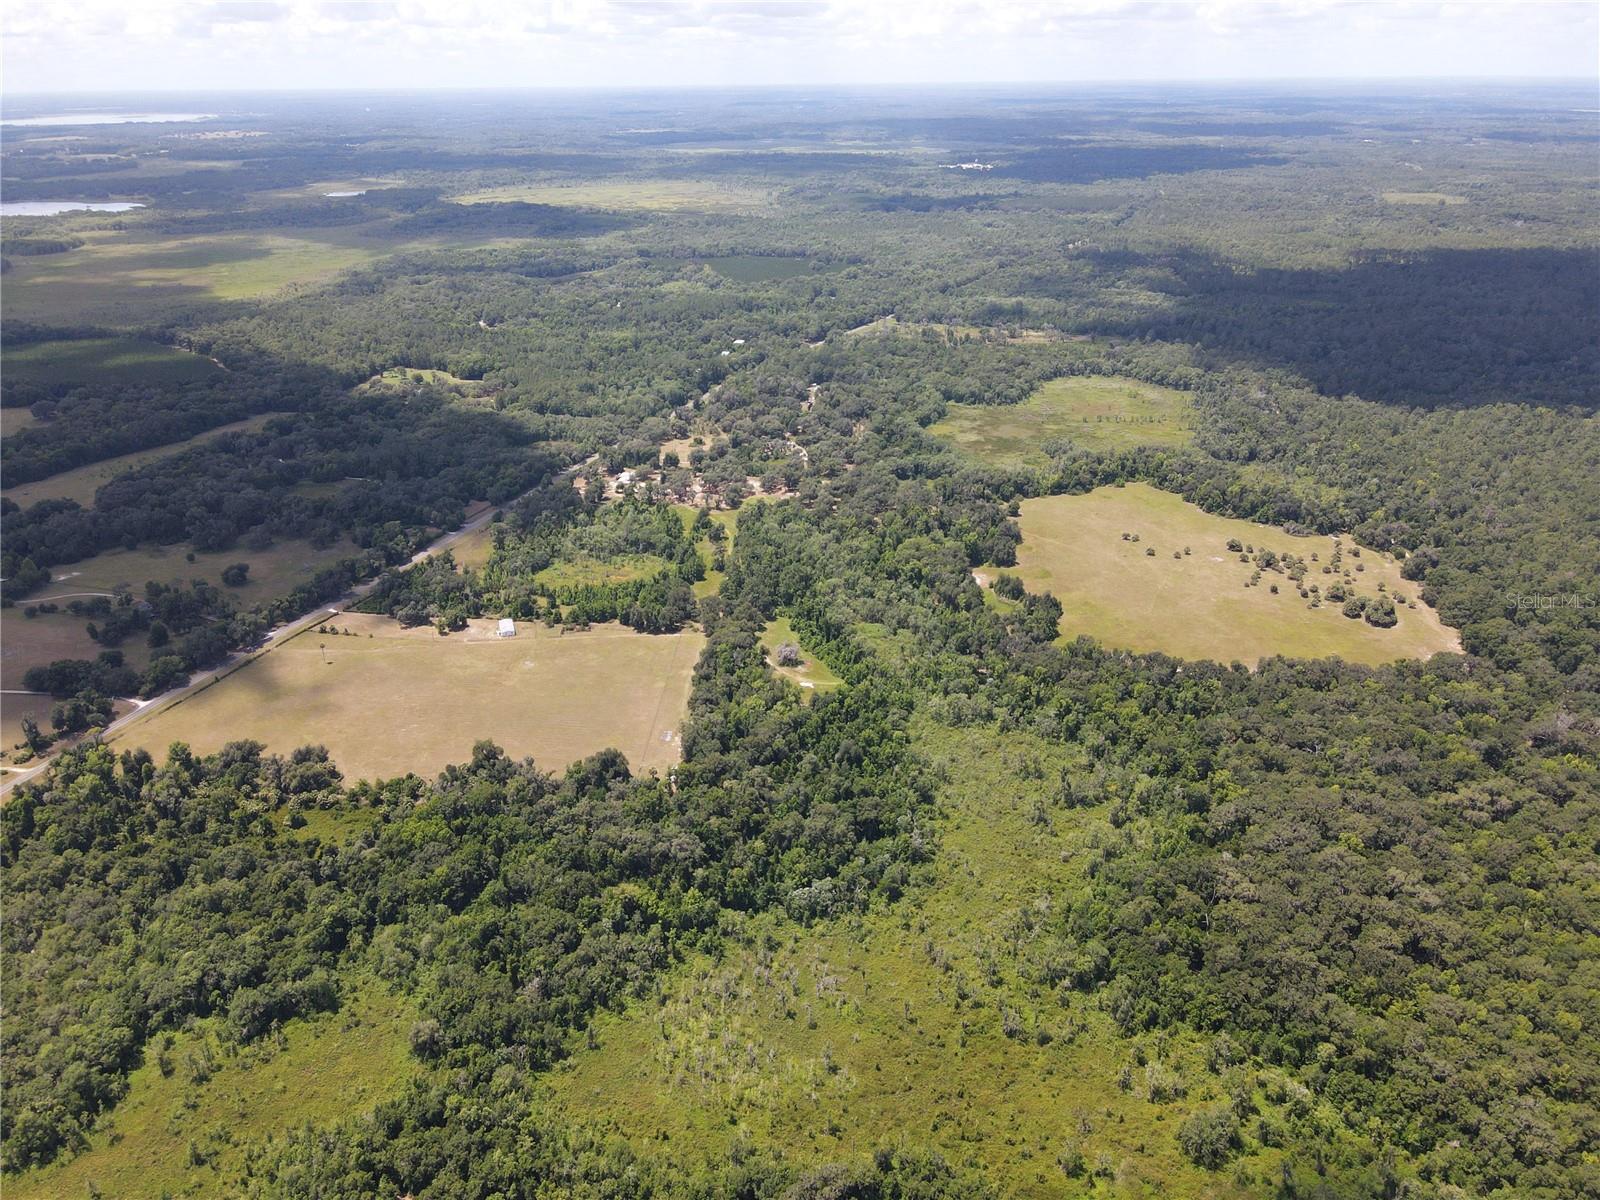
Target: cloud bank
<point>255,44</point>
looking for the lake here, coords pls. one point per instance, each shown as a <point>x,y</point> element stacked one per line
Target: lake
<point>49,208</point>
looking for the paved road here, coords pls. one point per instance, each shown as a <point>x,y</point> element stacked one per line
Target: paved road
<point>275,637</point>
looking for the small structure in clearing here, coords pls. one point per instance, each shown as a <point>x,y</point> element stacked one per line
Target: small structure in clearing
<point>507,628</point>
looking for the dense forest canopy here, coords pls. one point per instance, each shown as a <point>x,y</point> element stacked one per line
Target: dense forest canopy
<point>1338,924</point>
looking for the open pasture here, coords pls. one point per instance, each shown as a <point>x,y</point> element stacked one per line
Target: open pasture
<point>388,700</point>
<point>114,279</point>
<point>1425,198</point>
<point>656,195</point>
<point>28,642</point>
<point>14,420</point>
<point>1197,605</point>
<point>273,572</point>
<point>81,483</point>
<point>103,360</point>
<point>1094,411</point>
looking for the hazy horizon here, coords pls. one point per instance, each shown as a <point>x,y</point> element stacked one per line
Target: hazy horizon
<point>100,47</point>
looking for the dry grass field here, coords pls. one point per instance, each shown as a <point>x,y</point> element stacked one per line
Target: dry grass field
<point>1097,412</point>
<point>388,700</point>
<point>1432,199</point>
<point>1197,605</point>
<point>273,571</point>
<point>38,641</point>
<point>661,195</point>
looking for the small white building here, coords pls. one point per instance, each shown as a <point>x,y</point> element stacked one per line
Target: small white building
<point>508,628</point>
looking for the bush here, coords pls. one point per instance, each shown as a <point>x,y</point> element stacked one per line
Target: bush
<point>236,574</point>
<point>1210,1138</point>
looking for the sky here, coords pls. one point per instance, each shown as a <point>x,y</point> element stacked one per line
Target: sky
<point>164,45</point>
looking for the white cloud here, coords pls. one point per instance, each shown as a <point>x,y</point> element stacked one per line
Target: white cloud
<point>161,44</point>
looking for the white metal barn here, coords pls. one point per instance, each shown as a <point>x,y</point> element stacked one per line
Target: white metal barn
<point>508,628</point>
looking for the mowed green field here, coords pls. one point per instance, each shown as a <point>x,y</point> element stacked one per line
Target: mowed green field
<point>1097,412</point>
<point>390,700</point>
<point>81,483</point>
<point>828,1041</point>
<point>103,360</point>
<point>217,1100</point>
<point>1197,605</point>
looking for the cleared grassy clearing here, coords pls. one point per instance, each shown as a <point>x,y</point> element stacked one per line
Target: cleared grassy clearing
<point>475,549</point>
<point>410,376</point>
<point>758,268</point>
<point>1434,198</point>
<point>829,1041</point>
<point>661,195</point>
<point>113,280</point>
<point>390,700</point>
<point>1096,412</point>
<point>14,420</point>
<point>1197,605</point>
<point>322,1068</point>
<point>580,572</point>
<point>812,674</point>
<point>104,360</point>
<point>81,483</point>
<point>273,571</point>
<point>27,642</point>
<point>892,326</point>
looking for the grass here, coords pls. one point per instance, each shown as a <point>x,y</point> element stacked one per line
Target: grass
<point>826,1042</point>
<point>38,641</point>
<point>14,420</point>
<point>757,268</point>
<point>81,483</point>
<point>390,700</point>
<point>116,279</point>
<point>475,549</point>
<point>728,520</point>
<point>659,195</point>
<point>1096,412</point>
<point>274,571</point>
<point>1197,605</point>
<point>812,674</point>
<point>580,572</point>
<point>403,377</point>
<point>1434,198</point>
<point>104,360</point>
<point>321,1069</point>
